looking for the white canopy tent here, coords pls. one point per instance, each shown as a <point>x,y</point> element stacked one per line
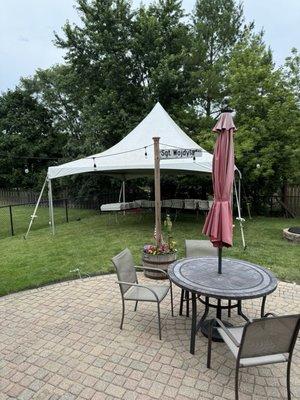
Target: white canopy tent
<point>133,156</point>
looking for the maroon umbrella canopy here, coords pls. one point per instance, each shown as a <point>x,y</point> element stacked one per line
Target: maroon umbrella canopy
<point>218,223</point>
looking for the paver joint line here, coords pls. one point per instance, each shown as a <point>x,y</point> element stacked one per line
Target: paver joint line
<point>63,342</point>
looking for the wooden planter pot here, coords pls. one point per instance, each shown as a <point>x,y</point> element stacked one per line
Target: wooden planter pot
<point>160,261</point>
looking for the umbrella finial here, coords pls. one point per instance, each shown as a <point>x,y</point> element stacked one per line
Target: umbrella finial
<point>225,105</point>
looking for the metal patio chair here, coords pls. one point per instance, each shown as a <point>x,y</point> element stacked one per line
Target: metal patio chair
<point>133,291</point>
<point>195,248</point>
<point>259,342</point>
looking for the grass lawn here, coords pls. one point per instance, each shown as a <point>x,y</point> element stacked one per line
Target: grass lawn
<point>21,218</point>
<point>90,243</point>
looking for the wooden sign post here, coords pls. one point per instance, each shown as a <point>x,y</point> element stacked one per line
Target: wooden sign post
<point>157,190</point>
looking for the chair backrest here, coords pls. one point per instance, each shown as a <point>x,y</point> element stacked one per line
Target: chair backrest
<point>200,248</point>
<point>270,335</point>
<point>126,272</point>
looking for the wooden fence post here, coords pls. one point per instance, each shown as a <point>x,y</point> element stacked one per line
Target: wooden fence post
<point>157,191</point>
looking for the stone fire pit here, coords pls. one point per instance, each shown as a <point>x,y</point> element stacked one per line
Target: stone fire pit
<point>292,234</point>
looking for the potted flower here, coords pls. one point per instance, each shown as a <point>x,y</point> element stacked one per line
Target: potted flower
<point>160,255</point>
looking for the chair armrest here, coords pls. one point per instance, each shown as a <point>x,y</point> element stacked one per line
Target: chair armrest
<point>138,285</point>
<point>228,333</point>
<point>270,314</point>
<point>152,269</point>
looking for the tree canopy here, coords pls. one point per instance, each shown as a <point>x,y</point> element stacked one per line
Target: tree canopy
<point>28,141</point>
<point>266,114</point>
<point>120,60</point>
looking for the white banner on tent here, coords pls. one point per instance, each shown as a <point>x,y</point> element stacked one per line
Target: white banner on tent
<point>166,154</point>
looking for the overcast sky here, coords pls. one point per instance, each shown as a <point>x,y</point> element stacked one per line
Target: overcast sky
<point>26,31</point>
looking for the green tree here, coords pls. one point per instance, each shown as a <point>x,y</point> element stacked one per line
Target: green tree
<point>217,25</point>
<point>99,54</point>
<point>292,73</point>
<point>28,141</point>
<point>161,51</point>
<point>119,62</point>
<point>54,89</point>
<point>266,116</point>
<point>122,62</point>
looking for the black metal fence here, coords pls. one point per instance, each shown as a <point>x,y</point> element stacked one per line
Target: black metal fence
<point>15,218</point>
<point>272,206</point>
<point>17,196</point>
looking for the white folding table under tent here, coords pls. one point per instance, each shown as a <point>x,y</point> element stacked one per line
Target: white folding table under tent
<point>133,156</point>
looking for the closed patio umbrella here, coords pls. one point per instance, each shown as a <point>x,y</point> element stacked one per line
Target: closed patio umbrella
<point>218,223</point>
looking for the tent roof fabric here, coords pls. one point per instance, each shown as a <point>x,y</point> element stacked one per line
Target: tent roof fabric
<point>127,158</point>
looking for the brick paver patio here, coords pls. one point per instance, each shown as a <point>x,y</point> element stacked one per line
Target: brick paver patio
<point>63,342</point>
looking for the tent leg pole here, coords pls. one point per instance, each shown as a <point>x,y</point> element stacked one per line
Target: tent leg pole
<point>124,196</point>
<point>51,213</point>
<point>33,216</point>
<point>240,201</point>
<point>239,215</point>
<point>120,194</point>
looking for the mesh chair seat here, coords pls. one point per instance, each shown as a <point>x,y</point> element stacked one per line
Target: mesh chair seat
<point>200,248</point>
<point>142,294</point>
<point>251,361</point>
<point>236,333</point>
<point>268,340</point>
<point>195,248</point>
<point>131,290</point>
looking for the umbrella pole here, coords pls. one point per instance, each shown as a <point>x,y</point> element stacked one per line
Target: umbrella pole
<point>220,260</point>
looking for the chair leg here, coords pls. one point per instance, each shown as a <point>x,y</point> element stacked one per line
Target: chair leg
<point>288,379</point>
<point>181,302</point>
<point>171,294</point>
<point>136,304</point>
<point>263,306</point>
<point>209,345</point>
<point>194,324</point>
<point>123,312</point>
<point>229,308</point>
<point>159,324</point>
<point>219,309</point>
<point>237,382</point>
<point>187,300</point>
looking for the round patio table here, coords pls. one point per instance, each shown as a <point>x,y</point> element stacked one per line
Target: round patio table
<point>240,280</point>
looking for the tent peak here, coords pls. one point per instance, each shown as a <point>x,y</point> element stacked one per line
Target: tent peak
<point>129,158</point>
<point>158,107</point>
